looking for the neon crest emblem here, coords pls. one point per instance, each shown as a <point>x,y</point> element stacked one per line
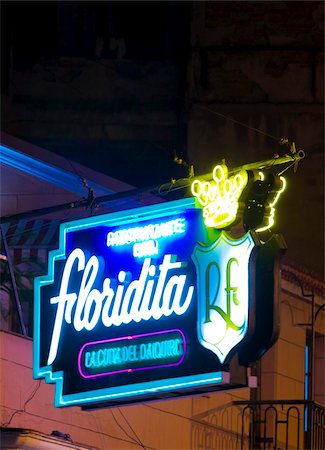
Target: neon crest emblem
<point>223,290</point>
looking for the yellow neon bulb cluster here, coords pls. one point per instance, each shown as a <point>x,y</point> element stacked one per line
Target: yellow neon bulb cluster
<point>272,209</point>
<point>219,197</point>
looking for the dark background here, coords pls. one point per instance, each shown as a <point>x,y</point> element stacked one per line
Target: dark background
<point>125,87</point>
<point>144,45</point>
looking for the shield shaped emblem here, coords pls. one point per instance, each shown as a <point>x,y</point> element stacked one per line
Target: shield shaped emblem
<point>223,292</point>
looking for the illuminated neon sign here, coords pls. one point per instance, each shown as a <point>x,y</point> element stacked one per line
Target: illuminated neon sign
<point>223,316</point>
<point>219,198</point>
<point>140,303</point>
<point>225,200</point>
<point>273,201</point>
<point>131,353</point>
<point>145,239</point>
<point>148,297</point>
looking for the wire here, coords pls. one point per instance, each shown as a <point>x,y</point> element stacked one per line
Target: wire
<point>19,411</point>
<point>74,168</point>
<point>112,436</point>
<point>196,105</point>
<point>89,429</point>
<point>120,199</point>
<point>257,130</point>
<point>178,97</point>
<point>191,419</point>
<point>124,431</point>
<point>137,437</point>
<point>286,168</point>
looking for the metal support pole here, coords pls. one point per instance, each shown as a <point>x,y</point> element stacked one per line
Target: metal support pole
<point>92,202</point>
<point>311,362</point>
<point>312,347</point>
<point>13,282</point>
<point>311,375</point>
<point>265,164</point>
<point>311,370</point>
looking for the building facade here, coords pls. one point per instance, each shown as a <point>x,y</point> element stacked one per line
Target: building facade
<point>198,83</point>
<point>284,390</point>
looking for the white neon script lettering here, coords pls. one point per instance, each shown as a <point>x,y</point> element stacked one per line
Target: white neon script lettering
<point>141,299</point>
<point>146,233</point>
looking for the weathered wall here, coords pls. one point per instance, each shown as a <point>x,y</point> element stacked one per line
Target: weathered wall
<point>206,421</point>
<point>283,366</point>
<point>28,403</point>
<point>262,64</point>
<point>21,192</point>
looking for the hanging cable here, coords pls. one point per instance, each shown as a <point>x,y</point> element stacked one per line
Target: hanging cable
<point>19,411</point>
<point>125,432</point>
<point>212,111</point>
<point>128,423</point>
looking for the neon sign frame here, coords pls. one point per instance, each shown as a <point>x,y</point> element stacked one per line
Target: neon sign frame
<point>132,339</point>
<point>220,198</point>
<point>197,272</point>
<point>123,392</point>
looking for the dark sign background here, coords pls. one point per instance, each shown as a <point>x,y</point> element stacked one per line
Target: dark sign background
<point>93,241</point>
<point>198,360</point>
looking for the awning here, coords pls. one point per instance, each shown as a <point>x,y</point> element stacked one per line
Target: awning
<point>31,239</point>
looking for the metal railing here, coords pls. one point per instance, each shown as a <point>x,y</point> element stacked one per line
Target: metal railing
<point>284,424</point>
<point>262,425</point>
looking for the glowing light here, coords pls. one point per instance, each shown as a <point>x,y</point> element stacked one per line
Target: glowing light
<point>147,248</point>
<point>167,295</point>
<point>223,285</point>
<point>146,233</point>
<point>139,389</point>
<point>219,197</point>
<point>47,172</point>
<point>132,353</point>
<point>270,216</point>
<point>83,293</point>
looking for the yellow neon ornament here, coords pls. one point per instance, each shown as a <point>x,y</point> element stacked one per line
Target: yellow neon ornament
<point>219,197</point>
<point>272,209</point>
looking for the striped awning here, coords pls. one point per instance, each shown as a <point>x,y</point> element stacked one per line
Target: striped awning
<point>31,239</point>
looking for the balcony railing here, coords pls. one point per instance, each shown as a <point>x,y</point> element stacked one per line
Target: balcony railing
<point>262,425</point>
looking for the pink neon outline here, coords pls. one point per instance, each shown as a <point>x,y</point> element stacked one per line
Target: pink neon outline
<point>137,336</point>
